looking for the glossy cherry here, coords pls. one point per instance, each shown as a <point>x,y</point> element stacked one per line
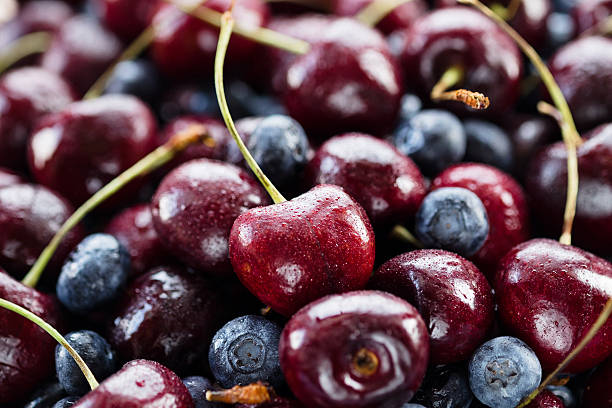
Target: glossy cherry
<point>358,349</point>
<point>126,18</point>
<point>80,149</point>
<point>26,94</point>
<point>450,293</point>
<point>26,351</point>
<point>292,253</point>
<point>30,215</point>
<point>506,207</point>
<point>167,315</point>
<point>546,399</point>
<point>598,392</point>
<point>402,16</point>
<point>194,209</point>
<point>546,185</point>
<point>549,295</point>
<point>589,13</point>
<point>459,36</point>
<point>386,183</point>
<point>8,177</point>
<point>140,383</point>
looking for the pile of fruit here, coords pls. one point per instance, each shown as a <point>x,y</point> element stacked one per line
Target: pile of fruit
<point>306,203</point>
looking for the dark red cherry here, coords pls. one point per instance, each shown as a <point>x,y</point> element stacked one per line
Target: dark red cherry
<point>184,45</point>
<point>459,36</point>
<point>140,383</point>
<point>167,315</point>
<point>81,51</point>
<point>590,13</point>
<point>583,70</point>
<point>358,349</point>
<point>30,215</point>
<point>133,227</point>
<point>546,185</point>
<point>504,200</point>
<point>347,81</point>
<point>386,183</point>
<point>8,177</point>
<point>80,149</point>
<point>402,16</point>
<point>194,209</point>
<point>598,392</point>
<point>549,295</point>
<point>546,399</point>
<point>26,94</point>
<point>26,351</point>
<point>450,293</point>
<point>126,18</point>
<point>292,253</point>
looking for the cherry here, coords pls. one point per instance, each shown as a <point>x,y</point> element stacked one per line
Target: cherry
<point>126,18</point>
<point>26,351</point>
<point>78,150</point>
<point>72,55</point>
<point>167,315</point>
<point>133,228</point>
<point>140,383</point>
<point>358,349</point>
<point>547,182</point>
<point>194,209</point>
<point>582,68</point>
<point>590,13</point>
<point>386,183</point>
<point>26,94</point>
<point>505,203</point>
<point>598,392</point>
<point>402,16</point>
<point>529,134</point>
<point>292,253</point>
<point>8,177</point>
<point>451,294</point>
<point>549,295</point>
<point>546,399</point>
<point>463,38</point>
<point>184,45</point>
<point>30,215</point>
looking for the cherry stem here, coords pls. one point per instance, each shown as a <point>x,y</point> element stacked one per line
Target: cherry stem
<point>601,320</point>
<point>507,13</point>
<point>252,394</point>
<point>260,35</point>
<point>93,383</point>
<point>451,77</point>
<point>29,44</point>
<point>157,158</point>
<point>227,23</point>
<point>375,11</point>
<point>570,134</point>
<point>403,234</point>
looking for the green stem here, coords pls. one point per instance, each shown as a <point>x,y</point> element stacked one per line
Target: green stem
<point>227,24</point>
<point>403,234</point>
<point>93,383</point>
<point>29,44</point>
<point>152,161</point>
<point>374,12</point>
<point>451,77</point>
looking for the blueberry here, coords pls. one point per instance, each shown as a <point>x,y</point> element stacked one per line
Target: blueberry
<point>488,143</point>
<point>445,386</point>
<point>434,139</point>
<point>454,219</point>
<point>280,147</point>
<point>249,103</point>
<point>561,29</point>
<point>566,395</point>
<point>94,350</point>
<point>409,106</point>
<point>503,371</point>
<point>46,396</point>
<point>138,77</point>
<point>245,350</point>
<point>411,405</point>
<point>197,387</point>
<point>93,274</point>
<point>66,402</point>
<point>189,99</point>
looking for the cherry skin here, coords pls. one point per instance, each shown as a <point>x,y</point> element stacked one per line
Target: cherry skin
<point>9,177</point>
<point>194,209</point>
<point>292,253</point>
<point>400,17</point>
<point>504,201</point>
<point>590,13</point>
<point>133,228</point>
<point>26,94</point>
<point>451,294</point>
<point>583,70</point>
<point>546,399</point>
<point>357,349</point>
<point>167,315</point>
<point>140,383</point>
<point>547,183</point>
<point>386,183</point>
<point>26,349</point>
<point>549,295</point>
<point>598,392</point>
<point>30,215</point>
<point>126,18</point>
<point>80,149</point>
<point>464,37</point>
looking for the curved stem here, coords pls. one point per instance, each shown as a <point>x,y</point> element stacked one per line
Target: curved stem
<point>152,161</point>
<point>451,77</point>
<point>33,43</point>
<point>507,13</point>
<point>227,23</point>
<point>252,394</point>
<point>403,234</point>
<point>93,383</point>
<point>375,11</point>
